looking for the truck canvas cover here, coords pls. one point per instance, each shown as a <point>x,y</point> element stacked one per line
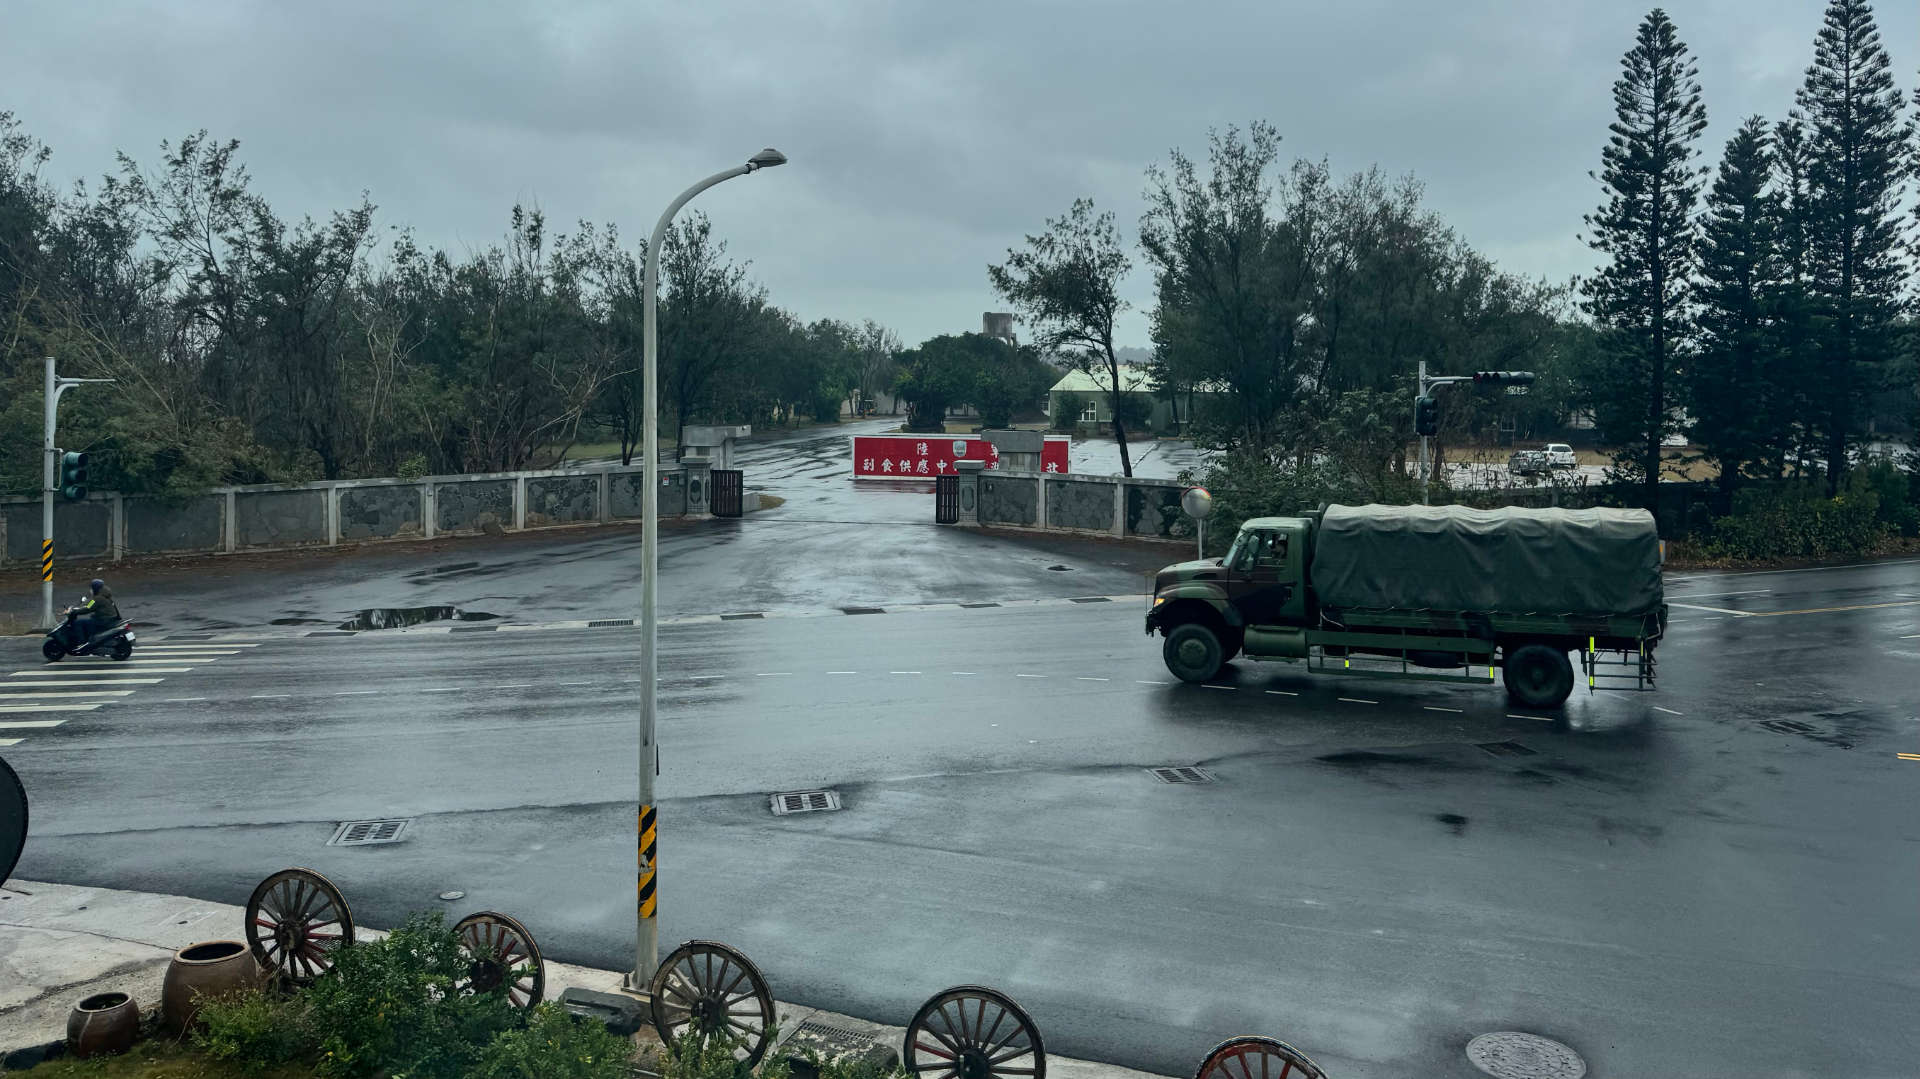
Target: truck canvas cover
<point>1514,561</point>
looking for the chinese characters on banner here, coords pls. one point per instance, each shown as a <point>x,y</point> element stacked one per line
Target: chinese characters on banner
<point>915,457</point>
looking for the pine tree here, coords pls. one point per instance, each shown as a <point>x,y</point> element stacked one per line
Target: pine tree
<point>1646,230</point>
<point>1857,147</point>
<point>1739,268</point>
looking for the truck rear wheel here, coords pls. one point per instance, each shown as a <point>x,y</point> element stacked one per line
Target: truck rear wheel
<point>1192,652</point>
<point>1538,676</point>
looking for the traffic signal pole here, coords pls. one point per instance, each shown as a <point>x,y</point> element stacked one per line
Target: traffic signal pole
<point>55,386</point>
<point>1425,415</point>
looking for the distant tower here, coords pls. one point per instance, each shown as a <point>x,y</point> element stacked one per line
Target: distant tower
<point>998,324</point>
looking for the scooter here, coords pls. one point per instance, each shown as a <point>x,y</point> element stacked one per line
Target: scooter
<point>64,640</point>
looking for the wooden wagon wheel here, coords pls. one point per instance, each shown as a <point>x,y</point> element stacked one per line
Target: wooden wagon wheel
<point>1257,1058</point>
<point>972,1032</point>
<point>716,992</point>
<point>296,921</point>
<point>502,955</point>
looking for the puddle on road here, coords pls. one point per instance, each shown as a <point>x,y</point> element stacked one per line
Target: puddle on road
<point>391,617</point>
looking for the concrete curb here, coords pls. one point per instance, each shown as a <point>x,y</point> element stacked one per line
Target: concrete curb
<point>60,942</point>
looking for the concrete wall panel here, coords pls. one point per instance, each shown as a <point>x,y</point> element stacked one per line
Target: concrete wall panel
<point>1009,500</point>
<point>387,511</point>
<point>473,506</point>
<point>1151,510</point>
<point>279,518</point>
<point>1080,504</point>
<point>559,500</point>
<point>155,525</point>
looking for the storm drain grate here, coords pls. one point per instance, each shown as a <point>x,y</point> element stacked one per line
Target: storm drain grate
<point>1788,726</point>
<point>804,802</point>
<point>366,833</point>
<point>1182,774</point>
<point>977,606</point>
<point>609,623</point>
<point>1506,749</point>
<point>738,617</point>
<point>863,610</point>
<point>1091,599</point>
<point>1512,1054</point>
<point>838,1038</point>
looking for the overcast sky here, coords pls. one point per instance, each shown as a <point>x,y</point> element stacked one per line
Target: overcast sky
<point>925,137</point>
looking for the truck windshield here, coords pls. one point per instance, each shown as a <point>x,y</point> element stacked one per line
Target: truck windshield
<point>1240,544</point>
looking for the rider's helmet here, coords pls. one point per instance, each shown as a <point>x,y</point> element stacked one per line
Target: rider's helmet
<point>96,584</point>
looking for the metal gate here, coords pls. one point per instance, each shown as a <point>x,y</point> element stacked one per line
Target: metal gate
<point>726,492</point>
<point>946,500</point>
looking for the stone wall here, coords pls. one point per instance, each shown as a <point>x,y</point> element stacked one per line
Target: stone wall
<point>561,500</point>
<point>156,526</point>
<point>1009,500</point>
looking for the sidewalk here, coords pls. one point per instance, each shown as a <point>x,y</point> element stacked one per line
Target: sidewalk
<point>59,943</point>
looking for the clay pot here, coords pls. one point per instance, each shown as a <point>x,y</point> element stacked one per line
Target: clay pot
<point>101,1024</point>
<point>209,969</point>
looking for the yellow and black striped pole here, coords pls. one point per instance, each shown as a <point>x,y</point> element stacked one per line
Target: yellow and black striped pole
<point>46,560</point>
<point>649,836</point>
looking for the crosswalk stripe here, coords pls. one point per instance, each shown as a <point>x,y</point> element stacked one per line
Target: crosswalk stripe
<point>92,682</point>
<point>216,646</point>
<point>156,653</point>
<point>96,672</point>
<point>66,693</point>
<point>18,708</point>
<point>205,644</point>
<point>167,659</point>
<point>36,724</point>
<point>4,742</point>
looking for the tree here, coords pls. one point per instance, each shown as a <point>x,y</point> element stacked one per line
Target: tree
<point>1066,284</point>
<point>935,376</point>
<point>1728,392</point>
<point>1857,147</point>
<point>1790,352</point>
<point>1645,229</point>
<point>877,347</point>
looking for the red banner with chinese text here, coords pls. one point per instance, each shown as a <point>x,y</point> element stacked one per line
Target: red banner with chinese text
<point>918,457</point>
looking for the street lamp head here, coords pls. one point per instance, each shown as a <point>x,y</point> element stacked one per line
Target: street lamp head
<point>766,159</point>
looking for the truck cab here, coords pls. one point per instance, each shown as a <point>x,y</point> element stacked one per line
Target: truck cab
<point>1207,607</point>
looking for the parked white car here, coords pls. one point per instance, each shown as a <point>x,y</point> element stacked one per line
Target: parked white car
<point>1560,455</point>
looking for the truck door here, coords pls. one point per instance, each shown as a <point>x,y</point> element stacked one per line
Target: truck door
<point>1271,593</point>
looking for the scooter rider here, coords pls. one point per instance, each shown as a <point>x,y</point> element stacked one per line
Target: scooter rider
<point>98,615</point>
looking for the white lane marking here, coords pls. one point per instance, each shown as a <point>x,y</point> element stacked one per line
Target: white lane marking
<point>903,672</point>
<point>271,696</point>
<point>16,709</point>
<point>182,653</point>
<point>1210,685</point>
<point>1142,682</point>
<point>1668,711</point>
<point>35,724</point>
<point>65,693</point>
<point>1029,676</point>
<point>511,685</point>
<point>181,700</point>
<point>102,672</point>
<point>1911,637</point>
<point>772,674</point>
<point>843,672</point>
<point>1711,595</point>
<point>1437,708</point>
<point>442,689</point>
<point>1283,693</point>
<point>84,682</point>
<point>216,644</point>
<point>963,674</point>
<point>1715,610</point>
<point>566,684</point>
<point>356,693</point>
<point>1084,678</point>
<point>5,742</point>
<point>1543,719</point>
<point>1358,700</point>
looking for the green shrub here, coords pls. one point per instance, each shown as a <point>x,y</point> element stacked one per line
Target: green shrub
<point>389,1008</point>
<point>1067,406</point>
<point>414,467</point>
<point>555,1045</point>
<point>688,1059</point>
<point>255,1031</point>
<point>1799,521</point>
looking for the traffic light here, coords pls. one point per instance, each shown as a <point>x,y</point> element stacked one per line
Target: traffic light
<point>73,476</point>
<point>1426,416</point>
<point>1503,378</point>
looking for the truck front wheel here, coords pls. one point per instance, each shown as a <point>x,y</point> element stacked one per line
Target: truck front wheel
<point>1192,652</point>
<point>1538,676</point>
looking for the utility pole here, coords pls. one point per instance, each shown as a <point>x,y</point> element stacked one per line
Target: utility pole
<point>1426,408</point>
<point>55,386</point>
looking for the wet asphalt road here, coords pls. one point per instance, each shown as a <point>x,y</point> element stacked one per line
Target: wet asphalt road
<point>1380,872</point>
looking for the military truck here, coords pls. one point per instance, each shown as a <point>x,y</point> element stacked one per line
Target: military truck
<point>1439,593</point>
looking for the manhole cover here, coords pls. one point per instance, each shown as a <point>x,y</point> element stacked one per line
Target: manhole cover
<point>609,623</point>
<point>1182,774</point>
<point>365,833</point>
<point>1787,726</point>
<point>1511,1054</point>
<point>804,802</point>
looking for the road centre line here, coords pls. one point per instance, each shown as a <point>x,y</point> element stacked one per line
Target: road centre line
<point>963,674</point>
<point>1832,610</point>
<point>1516,715</point>
<point>1029,676</point>
<point>442,689</point>
<point>356,693</point>
<point>1668,711</point>
<point>773,674</point>
<point>1715,610</point>
<point>1142,682</point>
<point>1437,708</point>
<point>1210,685</point>
<point>1085,678</point>
<point>1358,700</point>
<point>1908,756</point>
<point>1711,595</point>
<point>1283,693</point>
<point>270,696</point>
<point>903,672</point>
<point>181,700</point>
<point>843,672</point>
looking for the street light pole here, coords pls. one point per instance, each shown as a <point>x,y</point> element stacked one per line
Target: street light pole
<point>646,954</point>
